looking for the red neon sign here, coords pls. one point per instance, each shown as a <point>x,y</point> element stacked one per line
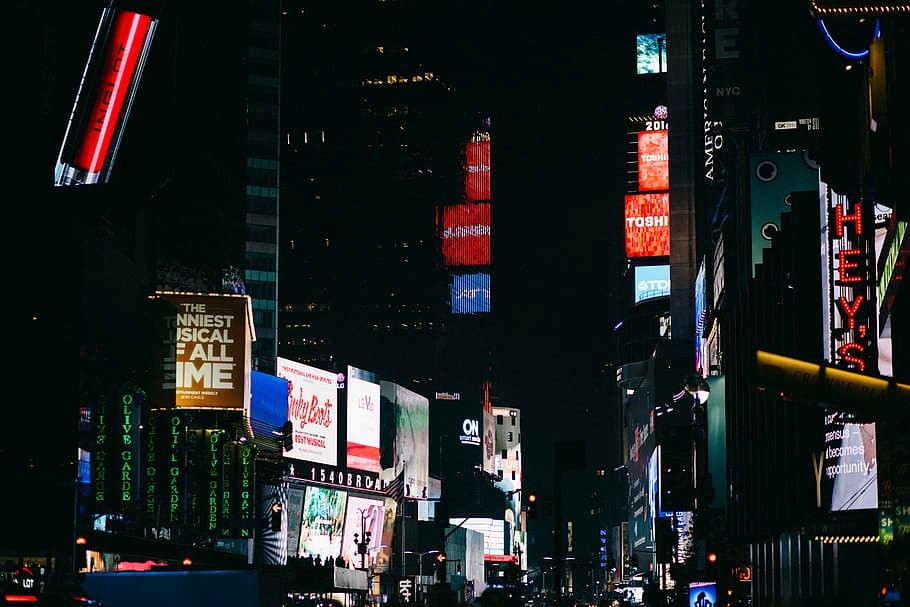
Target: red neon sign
<point>127,38</point>
<point>853,308</point>
<point>104,98</point>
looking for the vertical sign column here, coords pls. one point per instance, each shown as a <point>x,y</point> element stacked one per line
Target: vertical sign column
<point>853,287</point>
<point>151,503</point>
<point>214,484</point>
<point>244,489</point>
<point>176,465</point>
<point>126,445</point>
<point>100,450</point>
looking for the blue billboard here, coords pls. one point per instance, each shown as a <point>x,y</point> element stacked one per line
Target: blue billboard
<point>651,282</point>
<point>268,398</point>
<point>470,293</point>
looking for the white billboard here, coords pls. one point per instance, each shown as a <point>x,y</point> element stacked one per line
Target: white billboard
<point>363,421</point>
<point>313,411</point>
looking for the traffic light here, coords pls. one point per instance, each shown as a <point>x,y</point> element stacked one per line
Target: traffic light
<point>441,567</point>
<point>531,509</point>
<point>275,523</point>
<point>287,435</point>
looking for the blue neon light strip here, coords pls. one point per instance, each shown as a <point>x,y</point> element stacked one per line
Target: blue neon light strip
<point>843,51</point>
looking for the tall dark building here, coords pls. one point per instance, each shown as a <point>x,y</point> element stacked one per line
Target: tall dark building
<point>189,203</point>
<point>377,143</point>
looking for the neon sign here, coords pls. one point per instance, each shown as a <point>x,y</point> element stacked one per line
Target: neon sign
<point>127,459</point>
<point>852,287</point>
<point>99,454</point>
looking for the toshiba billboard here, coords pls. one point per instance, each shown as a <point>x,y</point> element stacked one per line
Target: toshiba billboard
<point>647,225</point>
<point>653,161</point>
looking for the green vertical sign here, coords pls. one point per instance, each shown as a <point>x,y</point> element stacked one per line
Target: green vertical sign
<point>126,456</point>
<point>175,465</point>
<point>100,447</point>
<point>214,473</point>
<point>151,491</point>
<point>244,489</point>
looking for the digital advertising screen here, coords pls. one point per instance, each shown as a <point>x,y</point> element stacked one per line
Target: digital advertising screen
<point>268,398</point>
<point>651,53</point>
<point>362,514</point>
<point>466,234</point>
<point>363,420</point>
<point>702,594</point>
<point>653,161</point>
<point>488,454</point>
<point>701,342</point>
<point>647,224</point>
<point>470,293</point>
<point>477,173</point>
<point>851,463</point>
<point>105,96</point>
<point>312,410</point>
<point>651,282</point>
<point>322,522</point>
<point>412,437</point>
<point>384,550</point>
<point>774,178</point>
<point>206,343</point>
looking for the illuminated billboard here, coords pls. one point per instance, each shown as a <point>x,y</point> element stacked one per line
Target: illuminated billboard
<point>313,411</point>
<point>470,293</point>
<point>205,356</point>
<point>477,174</point>
<point>412,437</point>
<point>653,161</point>
<point>651,282</point>
<point>851,463</point>
<point>647,224</point>
<point>466,234</point>
<point>322,522</point>
<point>268,398</point>
<point>850,308</point>
<point>702,594</point>
<point>105,96</point>
<point>363,420</point>
<point>774,178</point>
<point>383,558</point>
<point>651,53</point>
<point>363,515</point>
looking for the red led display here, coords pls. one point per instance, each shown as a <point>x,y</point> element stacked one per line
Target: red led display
<point>653,161</point>
<point>125,46</point>
<point>466,234</point>
<point>647,225</point>
<point>477,177</point>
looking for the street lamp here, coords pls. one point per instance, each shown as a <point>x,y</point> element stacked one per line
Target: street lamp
<point>420,556</point>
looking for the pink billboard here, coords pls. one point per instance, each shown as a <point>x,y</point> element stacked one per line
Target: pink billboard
<point>653,161</point>
<point>477,175</point>
<point>647,225</point>
<point>312,410</point>
<point>466,234</point>
<point>363,515</point>
<point>363,421</point>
